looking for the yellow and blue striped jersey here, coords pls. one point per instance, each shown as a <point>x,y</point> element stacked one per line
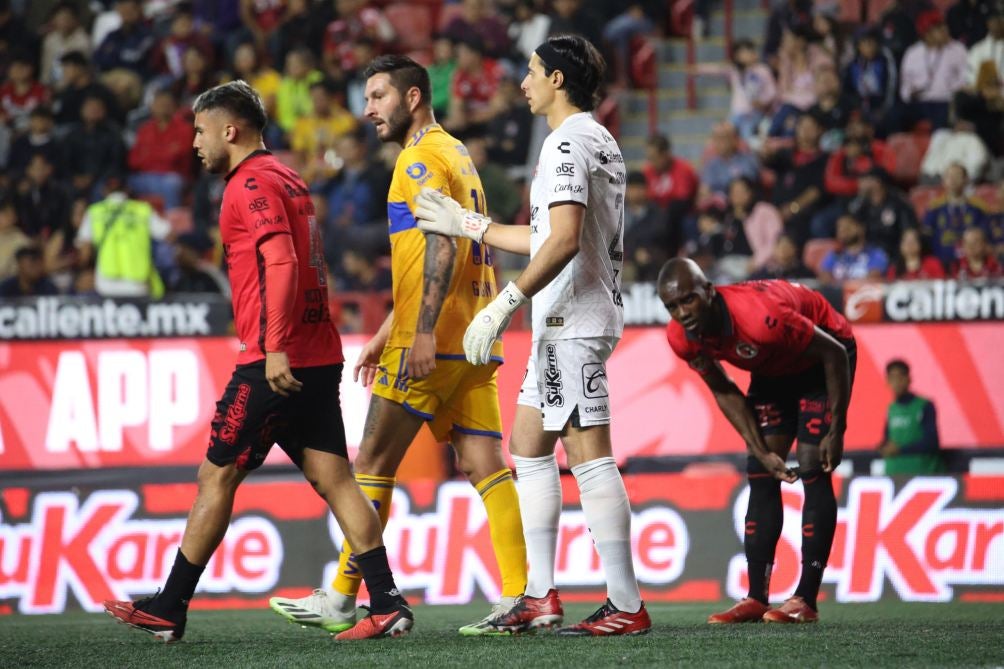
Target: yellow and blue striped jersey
<point>433,158</point>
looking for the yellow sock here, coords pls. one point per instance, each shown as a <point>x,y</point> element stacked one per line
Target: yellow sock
<point>498,492</point>
<point>379,489</point>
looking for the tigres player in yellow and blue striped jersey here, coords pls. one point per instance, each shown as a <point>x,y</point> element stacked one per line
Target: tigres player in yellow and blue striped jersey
<point>416,361</point>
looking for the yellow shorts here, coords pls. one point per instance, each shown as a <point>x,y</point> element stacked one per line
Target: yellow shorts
<point>456,397</point>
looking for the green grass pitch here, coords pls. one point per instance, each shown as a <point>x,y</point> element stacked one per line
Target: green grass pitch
<point>858,635</point>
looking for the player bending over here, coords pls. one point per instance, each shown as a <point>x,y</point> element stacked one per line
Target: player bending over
<point>416,361</point>
<point>575,242</point>
<point>285,387</point>
<point>801,354</point>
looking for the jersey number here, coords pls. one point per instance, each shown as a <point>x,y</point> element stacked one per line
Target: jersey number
<point>482,252</point>
<point>316,252</point>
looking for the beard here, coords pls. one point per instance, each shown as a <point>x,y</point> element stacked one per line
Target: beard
<point>397,126</point>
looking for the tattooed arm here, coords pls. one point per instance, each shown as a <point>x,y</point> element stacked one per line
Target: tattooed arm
<point>440,253</point>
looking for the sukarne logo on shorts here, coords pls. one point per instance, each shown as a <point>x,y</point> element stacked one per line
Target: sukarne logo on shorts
<point>552,379</point>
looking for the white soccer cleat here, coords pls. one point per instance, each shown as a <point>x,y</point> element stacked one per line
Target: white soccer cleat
<point>332,613</point>
<point>490,624</point>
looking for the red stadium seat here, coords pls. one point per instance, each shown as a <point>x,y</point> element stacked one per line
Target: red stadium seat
<point>815,250</point>
<point>644,63</point>
<point>412,23</point>
<point>876,8</point>
<point>990,194</point>
<point>448,13</point>
<point>922,196</point>
<point>681,18</point>
<point>850,11</point>
<point>608,115</point>
<point>908,148</point>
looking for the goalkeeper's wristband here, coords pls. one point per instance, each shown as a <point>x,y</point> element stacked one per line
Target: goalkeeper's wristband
<point>511,298</point>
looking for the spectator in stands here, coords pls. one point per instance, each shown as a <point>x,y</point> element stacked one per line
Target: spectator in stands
<point>727,162</point>
<point>477,18</point>
<point>639,19</point>
<point>871,78</point>
<point>899,27</point>
<point>130,45</point>
<point>784,263</point>
<point>169,53</point>
<point>510,127</point>
<point>44,203</point>
<point>650,237</point>
<point>504,197</point>
<point>356,21</point>
<point>259,20</point>
<point>883,210</point>
<point>759,221</point>
<point>801,62</point>
<point>475,82</point>
<point>362,272</point>
<point>754,90</point>
<point>21,92</point>
<point>315,135</point>
<point>160,161</point>
<point>833,108</point>
<point>116,236</point>
<point>845,167</point>
<point>444,64</point>
<point>66,35</point>
<point>12,237</point>
<point>78,82</point>
<point>292,99</point>
<point>910,443</point>
<point>949,215</point>
<point>39,138</point>
<point>249,67</point>
<point>577,18</point>
<point>303,26</point>
<point>914,261</point>
<point>958,144</point>
<point>192,273</point>
<point>799,190</point>
<point>991,47</point>
<point>94,150</point>
<point>829,34</point>
<point>967,20</point>
<point>196,77</point>
<point>672,184</point>
<point>855,258</point>
<point>15,37</point>
<point>933,69</point>
<point>528,29</point>
<point>721,236</point>
<point>29,279</point>
<point>983,106</point>
<point>784,15</point>
<point>977,260</point>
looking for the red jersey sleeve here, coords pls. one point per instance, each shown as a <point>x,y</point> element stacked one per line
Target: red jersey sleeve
<point>259,202</point>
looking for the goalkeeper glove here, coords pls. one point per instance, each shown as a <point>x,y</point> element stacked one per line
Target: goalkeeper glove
<point>443,215</point>
<point>489,323</point>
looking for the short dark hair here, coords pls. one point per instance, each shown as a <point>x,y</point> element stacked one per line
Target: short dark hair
<point>583,89</point>
<point>237,98</point>
<point>74,58</point>
<point>404,73</point>
<point>897,363</point>
<point>660,143</point>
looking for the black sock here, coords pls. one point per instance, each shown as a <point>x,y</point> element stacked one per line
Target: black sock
<point>764,518</point>
<point>819,523</point>
<point>384,594</point>
<point>180,585</point>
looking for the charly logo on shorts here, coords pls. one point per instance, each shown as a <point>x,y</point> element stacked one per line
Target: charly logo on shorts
<point>552,379</point>
<point>594,380</point>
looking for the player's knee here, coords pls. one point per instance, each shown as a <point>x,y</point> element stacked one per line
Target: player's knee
<point>763,485</point>
<point>808,459</point>
<point>215,479</point>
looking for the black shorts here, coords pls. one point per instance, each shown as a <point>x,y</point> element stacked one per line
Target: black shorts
<point>796,405</point>
<point>250,417</point>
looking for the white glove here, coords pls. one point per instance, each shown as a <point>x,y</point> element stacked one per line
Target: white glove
<point>443,215</point>
<point>489,323</point>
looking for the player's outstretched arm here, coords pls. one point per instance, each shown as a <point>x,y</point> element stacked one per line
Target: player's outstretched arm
<point>836,368</point>
<point>557,250</point>
<point>441,214</point>
<point>733,404</point>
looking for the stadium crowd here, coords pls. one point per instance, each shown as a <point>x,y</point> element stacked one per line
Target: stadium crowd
<point>814,174</point>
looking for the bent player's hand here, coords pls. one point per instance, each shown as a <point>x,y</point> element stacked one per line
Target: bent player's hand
<point>776,466</point>
<point>831,450</point>
<point>489,324</point>
<point>443,215</point>
<point>422,357</point>
<point>278,374</point>
<point>368,362</point>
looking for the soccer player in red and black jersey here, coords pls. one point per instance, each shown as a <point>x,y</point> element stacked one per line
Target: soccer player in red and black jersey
<point>801,354</point>
<point>285,387</point>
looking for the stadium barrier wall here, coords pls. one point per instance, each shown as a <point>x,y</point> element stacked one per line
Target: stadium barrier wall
<point>92,404</point>
<point>926,539</point>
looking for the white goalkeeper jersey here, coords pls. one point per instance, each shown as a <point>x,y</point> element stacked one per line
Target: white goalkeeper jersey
<point>580,162</point>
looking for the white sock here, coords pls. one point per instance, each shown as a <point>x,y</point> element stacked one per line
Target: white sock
<point>608,514</point>
<point>538,485</point>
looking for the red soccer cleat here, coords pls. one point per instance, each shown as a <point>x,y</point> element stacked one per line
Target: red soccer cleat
<point>794,610</point>
<point>132,614</point>
<point>746,610</point>
<point>396,622</point>
<point>531,614</point>
<point>610,621</point>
